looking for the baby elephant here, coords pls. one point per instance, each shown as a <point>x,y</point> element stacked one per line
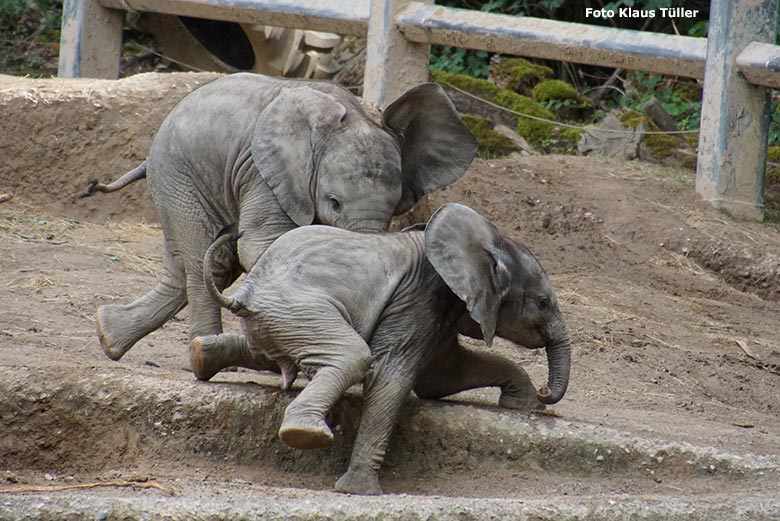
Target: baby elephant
<point>386,309</point>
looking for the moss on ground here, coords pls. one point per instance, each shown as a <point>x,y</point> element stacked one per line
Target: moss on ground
<point>571,134</point>
<point>772,213</point>
<point>633,119</point>
<point>773,172</point>
<point>490,144</point>
<point>661,145</point>
<point>690,161</point>
<point>551,90</point>
<point>534,131</point>
<point>519,75</point>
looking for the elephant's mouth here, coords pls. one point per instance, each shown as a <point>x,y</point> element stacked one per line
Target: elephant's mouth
<point>368,223</point>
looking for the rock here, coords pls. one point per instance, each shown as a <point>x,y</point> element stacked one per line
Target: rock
<point>602,140</point>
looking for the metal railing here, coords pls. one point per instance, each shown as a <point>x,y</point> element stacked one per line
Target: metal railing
<point>737,61</point>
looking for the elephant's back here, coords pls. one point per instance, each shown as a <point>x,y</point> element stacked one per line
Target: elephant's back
<point>203,144</point>
<point>323,256</point>
<point>356,273</point>
<point>220,112</point>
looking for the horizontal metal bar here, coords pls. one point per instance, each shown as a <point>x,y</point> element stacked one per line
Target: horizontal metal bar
<point>760,64</point>
<point>553,40</point>
<point>336,16</point>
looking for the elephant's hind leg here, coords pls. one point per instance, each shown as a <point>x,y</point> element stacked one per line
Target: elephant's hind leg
<point>120,326</point>
<point>455,369</point>
<point>211,353</point>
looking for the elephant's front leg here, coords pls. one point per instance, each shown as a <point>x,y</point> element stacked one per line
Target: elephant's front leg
<point>383,396</point>
<point>454,369</point>
<point>335,358</point>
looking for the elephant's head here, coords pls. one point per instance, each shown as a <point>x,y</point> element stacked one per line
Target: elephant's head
<point>506,291</point>
<point>327,162</point>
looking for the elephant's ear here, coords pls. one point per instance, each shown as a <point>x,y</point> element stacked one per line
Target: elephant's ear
<point>465,250</point>
<point>436,146</point>
<point>287,135</point>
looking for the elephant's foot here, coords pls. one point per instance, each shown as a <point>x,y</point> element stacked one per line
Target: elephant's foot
<point>365,483</point>
<point>210,354</point>
<point>521,402</point>
<point>306,432</point>
<point>113,329</point>
<point>206,356</point>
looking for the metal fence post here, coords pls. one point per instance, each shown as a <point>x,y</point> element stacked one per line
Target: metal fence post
<point>91,40</point>
<point>734,114</point>
<point>393,63</point>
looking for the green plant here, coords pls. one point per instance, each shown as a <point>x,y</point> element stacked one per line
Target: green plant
<point>684,110</point>
<point>555,105</point>
<point>774,121</point>
<point>460,61</point>
<point>772,214</point>
<point>26,17</point>
<point>476,63</point>
<point>29,32</point>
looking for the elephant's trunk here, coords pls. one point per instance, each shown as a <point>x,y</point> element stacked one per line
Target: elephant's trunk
<point>225,301</point>
<point>559,364</point>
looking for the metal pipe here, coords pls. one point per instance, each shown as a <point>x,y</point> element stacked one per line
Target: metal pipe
<point>760,64</point>
<point>336,16</point>
<point>553,40</point>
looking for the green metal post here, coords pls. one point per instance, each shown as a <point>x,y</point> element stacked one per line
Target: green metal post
<point>735,114</point>
<point>90,41</point>
<point>393,63</point>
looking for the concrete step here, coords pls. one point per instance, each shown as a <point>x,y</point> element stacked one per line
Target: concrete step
<point>469,461</point>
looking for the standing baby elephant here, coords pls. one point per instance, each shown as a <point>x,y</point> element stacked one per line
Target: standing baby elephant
<point>386,309</point>
<point>272,154</point>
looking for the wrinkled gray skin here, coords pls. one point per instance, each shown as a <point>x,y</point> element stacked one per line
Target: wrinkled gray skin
<point>270,155</point>
<point>386,309</point>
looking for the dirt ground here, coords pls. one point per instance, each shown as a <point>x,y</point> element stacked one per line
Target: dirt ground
<point>673,307</point>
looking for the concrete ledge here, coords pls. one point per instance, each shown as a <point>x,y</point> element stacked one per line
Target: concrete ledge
<point>282,505</point>
<point>136,417</point>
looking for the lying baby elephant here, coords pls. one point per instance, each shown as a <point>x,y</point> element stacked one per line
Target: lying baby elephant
<point>386,309</point>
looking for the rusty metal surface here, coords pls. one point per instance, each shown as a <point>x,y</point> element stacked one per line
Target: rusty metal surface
<point>553,40</point>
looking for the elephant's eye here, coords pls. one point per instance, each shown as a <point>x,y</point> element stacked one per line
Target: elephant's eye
<point>543,303</point>
<point>335,205</point>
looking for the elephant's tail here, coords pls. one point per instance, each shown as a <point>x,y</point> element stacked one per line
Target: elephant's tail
<point>225,301</point>
<point>133,175</point>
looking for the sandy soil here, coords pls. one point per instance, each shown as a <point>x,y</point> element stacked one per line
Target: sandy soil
<point>674,308</point>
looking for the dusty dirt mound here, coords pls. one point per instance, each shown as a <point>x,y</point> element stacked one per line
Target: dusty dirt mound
<point>58,135</point>
<point>673,307</point>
